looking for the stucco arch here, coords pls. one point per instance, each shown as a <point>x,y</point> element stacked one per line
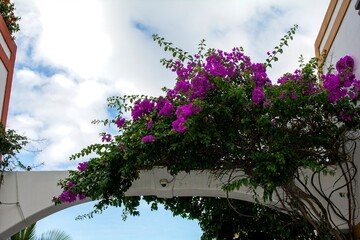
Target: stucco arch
<point>26,196</point>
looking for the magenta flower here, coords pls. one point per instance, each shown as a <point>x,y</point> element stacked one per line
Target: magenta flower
<point>171,94</point>
<point>345,117</point>
<point>82,166</point>
<point>142,108</point>
<point>268,103</point>
<point>333,83</point>
<point>257,96</point>
<point>81,196</point>
<point>121,146</point>
<point>215,66</point>
<point>67,197</point>
<point>182,113</point>
<point>187,110</point>
<point>120,122</point>
<point>292,95</point>
<point>167,109</point>
<point>149,124</point>
<point>345,63</point>
<point>70,185</point>
<point>259,75</point>
<point>179,125</point>
<point>200,85</point>
<point>148,138</point>
<point>182,86</point>
<point>342,84</point>
<point>290,77</point>
<point>106,138</point>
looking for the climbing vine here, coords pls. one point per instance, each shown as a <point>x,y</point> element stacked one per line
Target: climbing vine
<point>224,113</point>
<point>7,11</point>
<point>11,143</point>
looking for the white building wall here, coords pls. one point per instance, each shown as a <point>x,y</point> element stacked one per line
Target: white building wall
<point>3,76</point>
<point>3,72</point>
<point>331,23</point>
<point>347,40</point>
<point>4,46</point>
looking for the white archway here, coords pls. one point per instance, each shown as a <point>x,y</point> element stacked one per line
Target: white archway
<point>25,197</point>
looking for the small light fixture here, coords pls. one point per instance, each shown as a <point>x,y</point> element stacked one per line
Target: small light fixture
<point>163,182</point>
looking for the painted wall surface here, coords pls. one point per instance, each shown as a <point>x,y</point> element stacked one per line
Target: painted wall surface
<point>339,36</point>
<point>3,76</point>
<point>3,71</point>
<point>346,41</point>
<point>331,22</point>
<point>4,46</point>
<point>7,62</point>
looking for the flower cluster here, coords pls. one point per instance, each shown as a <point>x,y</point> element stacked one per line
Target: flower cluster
<point>258,96</point>
<point>222,113</point>
<point>195,79</point>
<point>191,83</point>
<point>142,108</point>
<point>148,138</point>
<point>82,166</point>
<point>166,107</point>
<point>183,113</point>
<point>7,12</point>
<point>343,83</point>
<point>106,137</point>
<point>120,122</point>
<point>68,196</point>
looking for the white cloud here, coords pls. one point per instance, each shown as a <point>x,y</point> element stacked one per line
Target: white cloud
<point>57,109</point>
<point>73,54</point>
<point>73,36</point>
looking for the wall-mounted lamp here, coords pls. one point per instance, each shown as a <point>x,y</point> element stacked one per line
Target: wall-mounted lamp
<point>164,182</point>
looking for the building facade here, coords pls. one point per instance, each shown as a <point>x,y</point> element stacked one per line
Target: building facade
<point>7,57</point>
<point>339,34</point>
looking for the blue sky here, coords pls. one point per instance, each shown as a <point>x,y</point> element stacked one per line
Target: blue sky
<point>73,54</point>
<point>160,225</point>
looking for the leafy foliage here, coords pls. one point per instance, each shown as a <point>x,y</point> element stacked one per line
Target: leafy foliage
<point>224,113</point>
<point>7,12</point>
<point>224,218</point>
<point>25,234</point>
<point>29,233</point>
<point>55,235</point>
<point>10,145</point>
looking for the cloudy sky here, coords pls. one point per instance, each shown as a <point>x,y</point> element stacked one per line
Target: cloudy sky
<point>73,54</point>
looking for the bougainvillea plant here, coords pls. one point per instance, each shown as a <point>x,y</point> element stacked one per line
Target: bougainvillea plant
<point>11,143</point>
<point>225,113</point>
<point>7,12</point>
